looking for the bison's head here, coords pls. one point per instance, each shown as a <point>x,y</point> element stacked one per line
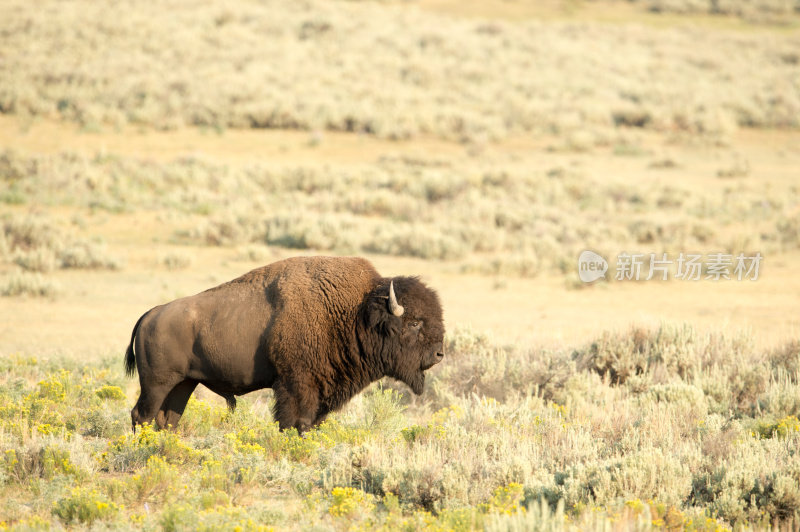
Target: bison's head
<point>404,318</point>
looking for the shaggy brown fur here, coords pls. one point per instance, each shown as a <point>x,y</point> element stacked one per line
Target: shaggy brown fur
<point>316,330</point>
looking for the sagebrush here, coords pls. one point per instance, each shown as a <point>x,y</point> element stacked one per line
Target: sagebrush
<point>700,434</point>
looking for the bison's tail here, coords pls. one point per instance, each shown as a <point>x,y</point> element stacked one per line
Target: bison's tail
<point>130,357</point>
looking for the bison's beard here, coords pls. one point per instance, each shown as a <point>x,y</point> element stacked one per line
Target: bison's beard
<point>415,379</point>
<point>417,382</point>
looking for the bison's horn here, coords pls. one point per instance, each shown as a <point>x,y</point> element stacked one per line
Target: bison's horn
<point>394,307</point>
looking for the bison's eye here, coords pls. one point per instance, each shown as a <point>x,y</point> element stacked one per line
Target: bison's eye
<point>415,324</point>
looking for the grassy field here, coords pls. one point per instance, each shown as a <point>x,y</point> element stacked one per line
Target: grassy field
<point>150,151</point>
<point>661,428</point>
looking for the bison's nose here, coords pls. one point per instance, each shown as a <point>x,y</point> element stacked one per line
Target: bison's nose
<point>439,356</point>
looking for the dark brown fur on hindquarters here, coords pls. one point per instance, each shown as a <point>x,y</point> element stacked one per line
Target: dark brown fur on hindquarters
<point>317,330</point>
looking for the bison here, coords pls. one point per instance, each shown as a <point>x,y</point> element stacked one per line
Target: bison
<point>317,330</point>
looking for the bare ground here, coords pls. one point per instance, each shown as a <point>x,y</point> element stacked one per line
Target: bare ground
<point>96,310</point>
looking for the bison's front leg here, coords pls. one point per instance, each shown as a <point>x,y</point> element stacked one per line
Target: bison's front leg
<point>296,405</point>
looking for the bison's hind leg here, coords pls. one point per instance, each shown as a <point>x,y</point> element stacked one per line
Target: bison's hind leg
<point>150,401</point>
<point>174,405</point>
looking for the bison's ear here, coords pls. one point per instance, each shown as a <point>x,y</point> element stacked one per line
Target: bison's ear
<point>379,318</point>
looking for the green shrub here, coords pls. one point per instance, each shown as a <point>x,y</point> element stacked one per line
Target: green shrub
<point>158,479</point>
<point>214,475</point>
<point>780,428</point>
<point>176,261</point>
<point>30,232</point>
<point>106,420</point>
<point>36,243</point>
<point>27,284</point>
<point>132,451</point>
<point>87,255</point>
<point>416,241</point>
<point>506,499</point>
<point>648,474</point>
<point>382,411</point>
<point>183,516</point>
<point>42,260</point>
<point>622,356</point>
<point>32,524</point>
<point>349,502</point>
<point>786,358</point>
<point>759,482</point>
<point>113,393</point>
<point>687,397</point>
<point>85,506</point>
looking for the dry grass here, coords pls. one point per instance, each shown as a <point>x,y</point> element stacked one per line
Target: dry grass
<point>385,70</point>
<point>35,243</point>
<point>503,435</point>
<point>746,15</point>
<point>769,11</point>
<point>491,218</point>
